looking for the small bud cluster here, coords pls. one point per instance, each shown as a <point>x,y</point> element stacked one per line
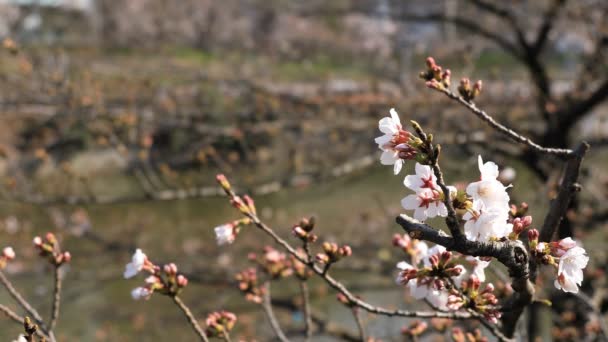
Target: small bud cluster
<point>303,230</point>
<point>49,248</point>
<point>415,329</point>
<point>333,253</point>
<point>7,255</point>
<point>166,280</point>
<point>458,335</point>
<point>220,323</point>
<point>468,92</point>
<point>274,263</point>
<point>435,76</point>
<point>249,285</point>
<point>227,232</point>
<point>520,224</point>
<point>470,296</point>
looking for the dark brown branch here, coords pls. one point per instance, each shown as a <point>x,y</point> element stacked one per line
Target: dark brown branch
<point>548,22</point>
<point>568,187</point>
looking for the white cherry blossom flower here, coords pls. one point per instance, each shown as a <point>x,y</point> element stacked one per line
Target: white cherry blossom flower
<point>426,203</point>
<point>483,223</point>
<point>224,234</point>
<point>21,338</point>
<point>479,267</point>
<point>491,192</point>
<point>394,142</point>
<point>570,269</point>
<point>424,178</point>
<point>140,293</point>
<point>8,253</point>
<point>136,265</point>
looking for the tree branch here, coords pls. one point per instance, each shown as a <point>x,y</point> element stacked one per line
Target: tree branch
<point>267,306</point>
<point>511,134</point>
<point>191,319</point>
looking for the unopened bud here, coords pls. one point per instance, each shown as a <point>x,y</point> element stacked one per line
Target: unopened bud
<point>170,269</point>
<point>182,281</point>
<point>223,181</point>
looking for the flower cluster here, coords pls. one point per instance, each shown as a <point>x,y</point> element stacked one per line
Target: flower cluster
<point>488,215</point>
<point>165,280</point>
<point>219,324</point>
<point>432,279</point>
<point>467,91</point>
<point>333,253</point>
<point>397,144</point>
<point>273,263</point>
<point>565,254</point>
<point>7,255</point>
<point>469,296</point>
<point>49,248</point>
<point>249,284</point>
<point>435,76</point>
<point>303,230</point>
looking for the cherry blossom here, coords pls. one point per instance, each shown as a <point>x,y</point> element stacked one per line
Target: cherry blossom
<point>394,143</point>
<point>225,234</point>
<point>570,269</point>
<point>424,178</point>
<point>137,263</point>
<point>491,192</point>
<point>426,203</point>
<point>483,223</point>
<point>141,293</point>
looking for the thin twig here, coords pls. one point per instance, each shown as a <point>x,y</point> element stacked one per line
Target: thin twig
<point>511,134</point>
<point>359,322</point>
<point>191,319</point>
<point>20,300</point>
<point>306,309</point>
<point>56,298</point>
<point>267,306</point>
<point>18,319</point>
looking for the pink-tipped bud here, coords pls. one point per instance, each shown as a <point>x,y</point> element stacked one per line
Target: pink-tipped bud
<point>434,260</point>
<point>8,253</point>
<point>342,298</point>
<point>50,237</point>
<point>345,251</point>
<point>430,62</point>
<point>170,269</point>
<point>445,257</point>
<point>67,257</point>
<point>223,181</point>
<point>533,235</point>
<point>299,232</point>
<point>250,203</point>
<point>182,281</point>
<point>37,241</point>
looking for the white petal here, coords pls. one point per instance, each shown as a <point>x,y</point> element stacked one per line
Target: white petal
<point>420,214</point>
<point>388,126</point>
<point>410,202</point>
<point>388,157</point>
<point>381,141</point>
<point>398,166</point>
<point>395,117</point>
<point>403,265</point>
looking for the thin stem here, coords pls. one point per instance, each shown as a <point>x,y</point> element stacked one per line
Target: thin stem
<point>18,319</point>
<point>19,299</point>
<point>511,134</point>
<point>306,309</point>
<point>267,306</point>
<point>227,336</point>
<point>359,322</point>
<point>191,319</point>
<point>56,298</point>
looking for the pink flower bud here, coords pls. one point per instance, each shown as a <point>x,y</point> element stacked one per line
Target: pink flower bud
<point>322,258</point>
<point>223,181</point>
<point>37,241</point>
<point>533,235</point>
<point>430,62</point>
<point>346,251</point>
<point>182,281</point>
<point>50,237</point>
<point>8,253</point>
<point>170,269</point>
<point>67,257</point>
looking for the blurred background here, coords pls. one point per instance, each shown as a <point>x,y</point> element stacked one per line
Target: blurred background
<point>117,114</point>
